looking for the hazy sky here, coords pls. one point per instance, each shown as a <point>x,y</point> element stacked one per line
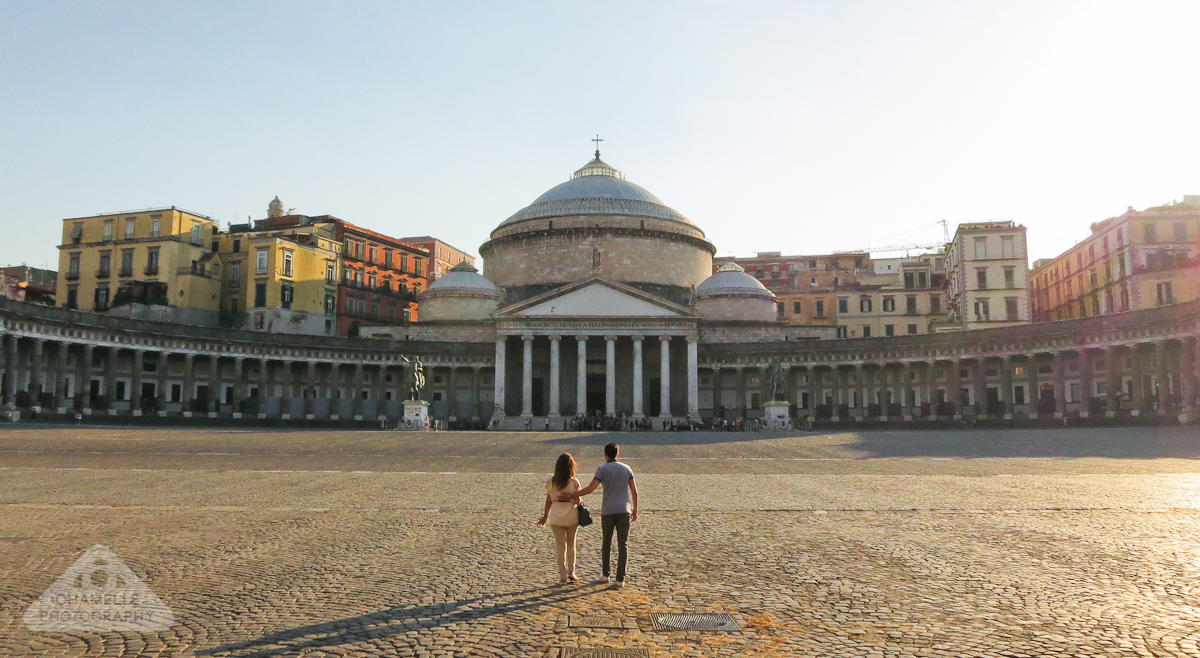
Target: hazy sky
<point>805,127</point>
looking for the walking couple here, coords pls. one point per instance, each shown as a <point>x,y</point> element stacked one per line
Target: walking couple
<point>617,511</point>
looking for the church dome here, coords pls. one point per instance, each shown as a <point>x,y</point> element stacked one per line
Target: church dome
<point>596,188</point>
<point>463,276</point>
<point>731,279</point>
<point>460,294</point>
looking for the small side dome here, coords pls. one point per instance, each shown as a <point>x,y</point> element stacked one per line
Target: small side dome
<point>731,294</point>
<point>461,294</point>
<point>275,208</point>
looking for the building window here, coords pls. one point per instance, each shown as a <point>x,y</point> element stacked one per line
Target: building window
<point>866,331</point>
<point>72,296</point>
<point>981,278</point>
<point>152,261</point>
<point>889,304</point>
<point>820,308</point>
<point>330,303</point>
<point>796,307</point>
<point>287,262</point>
<point>910,280</point>
<point>76,232</point>
<point>237,245</point>
<point>981,310</point>
<point>260,294</point>
<point>1010,308</point>
<point>935,304</point>
<point>195,234</point>
<point>233,304</point>
<point>235,275</point>
<point>126,262</point>
<point>1164,293</point>
<point>780,309</point>
<point>330,272</point>
<point>912,330</point>
<point>843,305</point>
<point>105,263</point>
<point>1149,231</point>
<point>155,225</point>
<point>981,247</point>
<point>108,228</point>
<point>101,298</point>
<point>260,261</point>
<point>285,295</point>
<point>130,224</point>
<point>73,266</point>
<point>1180,232</point>
<point>1010,277</point>
<point>1006,247</point>
<point>910,305</point>
<point>889,330</point>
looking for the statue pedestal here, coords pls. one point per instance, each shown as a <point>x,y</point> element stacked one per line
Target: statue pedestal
<point>776,415</point>
<point>416,415</point>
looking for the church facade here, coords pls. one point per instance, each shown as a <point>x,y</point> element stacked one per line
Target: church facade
<point>599,299</point>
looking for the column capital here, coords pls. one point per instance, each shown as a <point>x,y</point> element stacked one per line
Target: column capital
<point>554,338</point>
<point>610,338</point>
<point>637,339</point>
<point>527,337</point>
<point>581,338</point>
<point>665,339</point>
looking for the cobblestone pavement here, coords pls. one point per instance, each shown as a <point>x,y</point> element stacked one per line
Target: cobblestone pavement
<point>978,543</point>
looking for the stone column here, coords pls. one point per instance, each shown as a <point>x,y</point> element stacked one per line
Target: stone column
<point>498,378</point>
<point>239,383</point>
<point>214,383</point>
<point>1187,379</point>
<point>1035,395</point>
<point>1060,385</point>
<point>10,371</point>
<point>1006,386</point>
<point>904,392</point>
<point>954,386</point>
<point>286,388</point>
<point>35,371</point>
<point>1162,355</point>
<point>135,393</point>
<point>879,382</point>
<point>83,378</point>
<point>740,408</point>
<point>860,385</point>
<point>188,396</point>
<point>476,391</point>
<point>637,378</point>
<point>981,387</point>
<point>664,373</point>
<point>814,391</point>
<point>527,375</point>
<point>164,371</point>
<point>266,384</point>
<point>311,388</point>
<point>110,378</point>
<point>610,375</point>
<point>928,387</point>
<point>693,378</point>
<point>1139,385</point>
<point>1087,384</point>
<point>581,375</point>
<point>60,374</point>
<point>716,388</point>
<point>555,411</point>
<point>1112,372</point>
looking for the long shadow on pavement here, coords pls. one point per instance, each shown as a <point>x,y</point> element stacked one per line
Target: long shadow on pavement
<point>385,623</point>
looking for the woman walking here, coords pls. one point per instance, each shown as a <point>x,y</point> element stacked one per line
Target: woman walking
<point>563,517</point>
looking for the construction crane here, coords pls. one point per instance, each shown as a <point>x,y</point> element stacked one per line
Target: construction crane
<point>904,247</point>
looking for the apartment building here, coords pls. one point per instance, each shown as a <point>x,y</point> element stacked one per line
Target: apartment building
<point>987,275</point>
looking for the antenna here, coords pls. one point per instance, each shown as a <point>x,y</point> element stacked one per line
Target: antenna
<point>945,230</point>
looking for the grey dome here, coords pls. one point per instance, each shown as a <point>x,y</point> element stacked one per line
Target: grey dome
<point>731,279</point>
<point>596,189</point>
<point>463,277</point>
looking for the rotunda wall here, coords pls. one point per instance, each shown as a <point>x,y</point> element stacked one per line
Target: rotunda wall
<point>736,307</point>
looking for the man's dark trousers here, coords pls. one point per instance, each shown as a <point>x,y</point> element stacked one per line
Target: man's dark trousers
<point>620,523</point>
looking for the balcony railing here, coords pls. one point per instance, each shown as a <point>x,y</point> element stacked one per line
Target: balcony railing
<point>72,276</point>
<point>102,274</point>
<point>151,270</point>
<point>125,271</point>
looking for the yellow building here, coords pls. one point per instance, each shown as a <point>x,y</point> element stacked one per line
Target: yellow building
<point>280,279</point>
<point>1134,261</point>
<point>155,256</point>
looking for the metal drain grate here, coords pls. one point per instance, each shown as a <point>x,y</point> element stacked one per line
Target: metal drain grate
<point>595,621</point>
<point>603,652</point>
<point>695,621</point>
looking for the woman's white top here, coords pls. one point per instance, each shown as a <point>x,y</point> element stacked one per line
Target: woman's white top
<point>562,514</point>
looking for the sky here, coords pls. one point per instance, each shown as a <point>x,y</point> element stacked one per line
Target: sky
<point>801,127</point>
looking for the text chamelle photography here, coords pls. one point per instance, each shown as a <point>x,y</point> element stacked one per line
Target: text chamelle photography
<point>562,330</point>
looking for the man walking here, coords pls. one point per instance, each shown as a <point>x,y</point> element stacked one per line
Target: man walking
<point>618,509</point>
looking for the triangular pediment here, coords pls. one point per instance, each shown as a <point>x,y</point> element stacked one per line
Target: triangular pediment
<point>596,298</point>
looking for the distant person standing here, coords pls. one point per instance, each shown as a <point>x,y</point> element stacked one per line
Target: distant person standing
<point>618,509</point>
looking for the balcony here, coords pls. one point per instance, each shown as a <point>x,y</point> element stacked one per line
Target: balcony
<point>151,270</point>
<point>125,271</point>
<point>102,274</point>
<point>72,276</point>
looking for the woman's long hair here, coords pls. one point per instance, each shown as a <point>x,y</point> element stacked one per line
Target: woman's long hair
<point>564,470</point>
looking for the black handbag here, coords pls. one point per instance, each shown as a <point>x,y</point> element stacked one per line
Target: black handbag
<point>585,516</point>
